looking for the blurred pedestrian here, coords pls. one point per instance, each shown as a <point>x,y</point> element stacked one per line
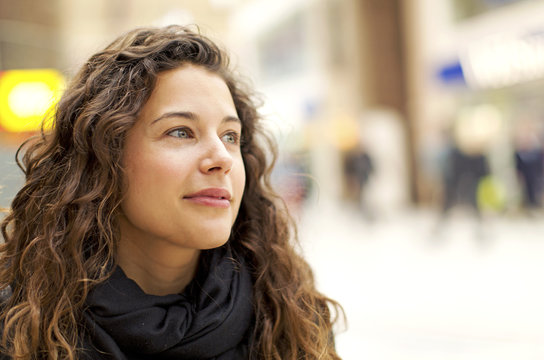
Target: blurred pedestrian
<point>147,227</point>
<point>466,165</point>
<point>530,166</point>
<point>529,159</point>
<point>462,176</point>
<point>473,133</point>
<point>358,167</point>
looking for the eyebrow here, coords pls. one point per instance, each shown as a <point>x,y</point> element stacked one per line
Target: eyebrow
<point>191,116</point>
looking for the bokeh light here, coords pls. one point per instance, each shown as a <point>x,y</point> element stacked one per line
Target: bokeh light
<point>27,96</point>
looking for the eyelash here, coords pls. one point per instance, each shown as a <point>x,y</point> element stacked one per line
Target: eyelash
<point>236,136</point>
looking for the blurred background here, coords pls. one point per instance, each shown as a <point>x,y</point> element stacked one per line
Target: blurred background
<point>411,155</point>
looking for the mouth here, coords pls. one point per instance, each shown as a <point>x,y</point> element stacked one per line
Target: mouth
<point>212,197</point>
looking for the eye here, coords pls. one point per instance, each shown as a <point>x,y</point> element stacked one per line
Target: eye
<point>231,138</point>
<point>182,133</point>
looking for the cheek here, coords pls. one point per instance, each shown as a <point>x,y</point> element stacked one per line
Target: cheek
<point>152,176</point>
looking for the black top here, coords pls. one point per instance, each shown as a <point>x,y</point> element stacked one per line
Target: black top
<point>211,319</point>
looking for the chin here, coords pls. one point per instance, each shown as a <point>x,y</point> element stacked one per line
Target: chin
<point>213,244</point>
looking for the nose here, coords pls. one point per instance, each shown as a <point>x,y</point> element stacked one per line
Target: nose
<point>217,158</point>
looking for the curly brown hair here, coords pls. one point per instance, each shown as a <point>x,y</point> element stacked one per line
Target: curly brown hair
<point>61,232</point>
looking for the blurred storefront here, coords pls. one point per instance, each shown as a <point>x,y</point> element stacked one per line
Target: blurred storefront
<point>477,71</point>
<point>406,81</point>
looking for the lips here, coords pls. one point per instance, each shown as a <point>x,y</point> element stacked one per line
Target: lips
<point>213,197</point>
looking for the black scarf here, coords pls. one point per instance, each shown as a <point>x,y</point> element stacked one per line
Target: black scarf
<point>211,319</point>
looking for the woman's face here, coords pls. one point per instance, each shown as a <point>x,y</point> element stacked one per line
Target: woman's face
<point>184,167</point>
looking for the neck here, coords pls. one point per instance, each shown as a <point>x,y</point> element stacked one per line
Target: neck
<point>158,271</point>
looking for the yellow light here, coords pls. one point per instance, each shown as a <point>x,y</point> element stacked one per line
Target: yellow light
<point>27,96</point>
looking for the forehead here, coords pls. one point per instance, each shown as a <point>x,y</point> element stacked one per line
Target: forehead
<point>189,78</point>
<point>189,88</point>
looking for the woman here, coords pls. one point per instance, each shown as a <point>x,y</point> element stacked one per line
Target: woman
<point>147,228</point>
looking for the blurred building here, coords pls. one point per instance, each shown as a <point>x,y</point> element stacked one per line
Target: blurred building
<point>30,34</point>
<point>62,34</point>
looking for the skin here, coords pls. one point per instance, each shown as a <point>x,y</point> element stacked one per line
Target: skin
<point>186,139</point>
